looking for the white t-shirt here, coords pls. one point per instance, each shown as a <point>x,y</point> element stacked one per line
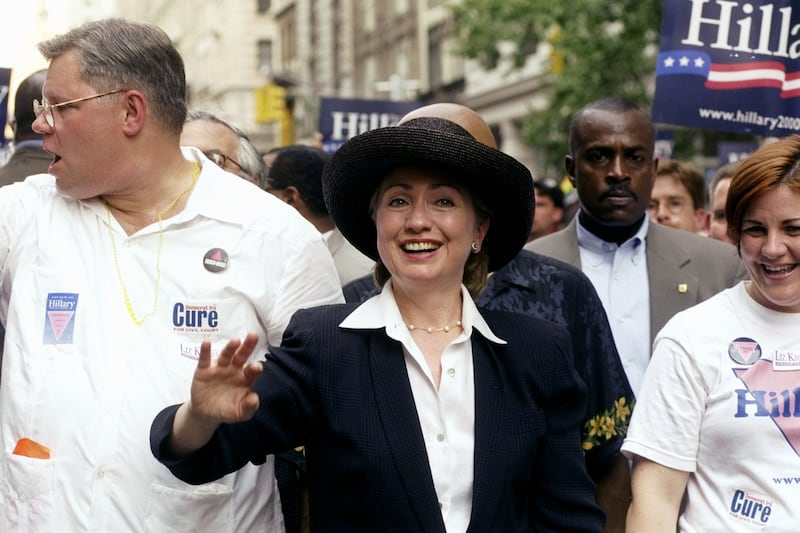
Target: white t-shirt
<point>721,399</point>
<point>82,379</point>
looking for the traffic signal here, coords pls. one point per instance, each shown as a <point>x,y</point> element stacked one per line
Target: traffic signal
<point>270,103</point>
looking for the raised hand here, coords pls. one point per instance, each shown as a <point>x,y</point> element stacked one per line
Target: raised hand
<point>222,390</point>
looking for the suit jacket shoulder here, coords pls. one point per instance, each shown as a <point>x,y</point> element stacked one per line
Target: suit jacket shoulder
<point>685,269</point>
<point>561,245</point>
<point>23,163</point>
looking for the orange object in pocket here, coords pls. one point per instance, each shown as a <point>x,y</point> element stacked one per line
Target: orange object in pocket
<point>31,448</point>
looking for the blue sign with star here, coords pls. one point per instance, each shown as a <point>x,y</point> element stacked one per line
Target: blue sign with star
<point>730,65</point>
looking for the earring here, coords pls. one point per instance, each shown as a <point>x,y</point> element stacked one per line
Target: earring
<point>475,247</point>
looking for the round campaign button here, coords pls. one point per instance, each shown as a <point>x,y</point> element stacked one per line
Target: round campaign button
<point>744,350</point>
<point>215,260</point>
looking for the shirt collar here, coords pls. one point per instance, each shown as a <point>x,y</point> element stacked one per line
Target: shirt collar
<point>381,311</point>
<point>590,241</point>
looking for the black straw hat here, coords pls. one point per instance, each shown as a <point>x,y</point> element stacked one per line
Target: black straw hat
<point>501,182</point>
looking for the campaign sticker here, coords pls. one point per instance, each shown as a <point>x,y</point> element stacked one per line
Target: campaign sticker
<point>59,320</point>
<point>786,360</point>
<point>215,260</point>
<point>189,318</point>
<point>744,351</point>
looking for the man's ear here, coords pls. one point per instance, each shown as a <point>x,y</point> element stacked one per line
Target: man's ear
<point>569,166</point>
<point>292,196</point>
<point>134,111</point>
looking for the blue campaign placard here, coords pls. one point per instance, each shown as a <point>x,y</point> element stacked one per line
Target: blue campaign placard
<point>343,118</point>
<point>730,65</point>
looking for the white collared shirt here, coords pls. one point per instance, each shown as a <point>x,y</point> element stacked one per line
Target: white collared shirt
<point>619,274</point>
<point>446,415</point>
<point>82,379</point>
<point>350,263</point>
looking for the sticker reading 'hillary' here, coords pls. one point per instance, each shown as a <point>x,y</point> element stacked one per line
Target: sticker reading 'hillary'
<point>59,320</point>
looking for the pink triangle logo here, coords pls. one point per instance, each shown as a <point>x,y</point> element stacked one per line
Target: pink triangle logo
<point>778,395</point>
<point>58,321</point>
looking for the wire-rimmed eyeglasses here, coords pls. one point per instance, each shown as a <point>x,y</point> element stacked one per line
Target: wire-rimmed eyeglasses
<point>220,159</point>
<point>673,205</point>
<point>47,108</point>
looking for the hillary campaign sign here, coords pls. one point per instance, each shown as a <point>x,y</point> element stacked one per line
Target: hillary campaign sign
<point>343,118</point>
<point>730,65</point>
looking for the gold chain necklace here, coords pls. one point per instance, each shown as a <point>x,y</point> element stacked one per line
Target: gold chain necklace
<point>128,304</point>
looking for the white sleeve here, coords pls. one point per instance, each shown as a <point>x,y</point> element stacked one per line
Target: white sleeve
<point>19,203</point>
<point>665,426</point>
<point>308,278</point>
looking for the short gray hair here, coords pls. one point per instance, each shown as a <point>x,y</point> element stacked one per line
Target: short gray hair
<point>120,54</point>
<point>246,155</point>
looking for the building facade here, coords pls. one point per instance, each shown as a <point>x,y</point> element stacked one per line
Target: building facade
<point>371,49</point>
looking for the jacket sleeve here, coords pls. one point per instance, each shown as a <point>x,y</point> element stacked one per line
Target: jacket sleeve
<point>286,410</point>
<point>562,495</point>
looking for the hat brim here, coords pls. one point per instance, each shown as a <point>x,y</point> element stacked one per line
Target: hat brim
<point>502,183</point>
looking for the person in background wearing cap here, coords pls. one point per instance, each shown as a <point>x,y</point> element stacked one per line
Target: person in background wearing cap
<point>549,212</point>
<point>417,411</point>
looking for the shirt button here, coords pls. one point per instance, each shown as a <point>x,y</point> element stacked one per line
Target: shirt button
<point>451,372</point>
<point>440,437</point>
<point>101,474</point>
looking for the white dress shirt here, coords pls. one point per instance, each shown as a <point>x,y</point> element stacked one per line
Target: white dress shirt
<point>446,415</point>
<point>619,274</point>
<point>80,377</point>
<point>350,263</point>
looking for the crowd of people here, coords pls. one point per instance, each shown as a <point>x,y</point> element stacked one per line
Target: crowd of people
<point>409,334</point>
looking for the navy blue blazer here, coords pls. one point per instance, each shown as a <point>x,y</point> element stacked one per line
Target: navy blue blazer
<point>346,396</point>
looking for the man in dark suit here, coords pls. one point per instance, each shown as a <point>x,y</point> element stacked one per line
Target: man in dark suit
<point>28,157</point>
<point>643,272</point>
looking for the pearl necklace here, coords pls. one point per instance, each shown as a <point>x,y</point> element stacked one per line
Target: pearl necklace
<point>445,329</point>
<point>125,296</point>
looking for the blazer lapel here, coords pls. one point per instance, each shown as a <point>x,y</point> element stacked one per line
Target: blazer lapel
<point>672,289</point>
<point>489,432</point>
<point>398,414</point>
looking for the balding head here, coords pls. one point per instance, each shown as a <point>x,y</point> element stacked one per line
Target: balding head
<point>461,115</point>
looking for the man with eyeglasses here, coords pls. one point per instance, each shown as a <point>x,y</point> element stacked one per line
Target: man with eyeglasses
<point>114,267</point>
<point>678,198</point>
<point>225,144</point>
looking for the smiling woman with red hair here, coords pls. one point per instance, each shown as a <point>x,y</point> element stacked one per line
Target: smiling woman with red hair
<point>715,429</point>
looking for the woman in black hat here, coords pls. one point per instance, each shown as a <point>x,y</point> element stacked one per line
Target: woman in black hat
<point>417,412</point>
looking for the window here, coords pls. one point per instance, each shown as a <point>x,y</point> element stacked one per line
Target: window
<point>265,56</point>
